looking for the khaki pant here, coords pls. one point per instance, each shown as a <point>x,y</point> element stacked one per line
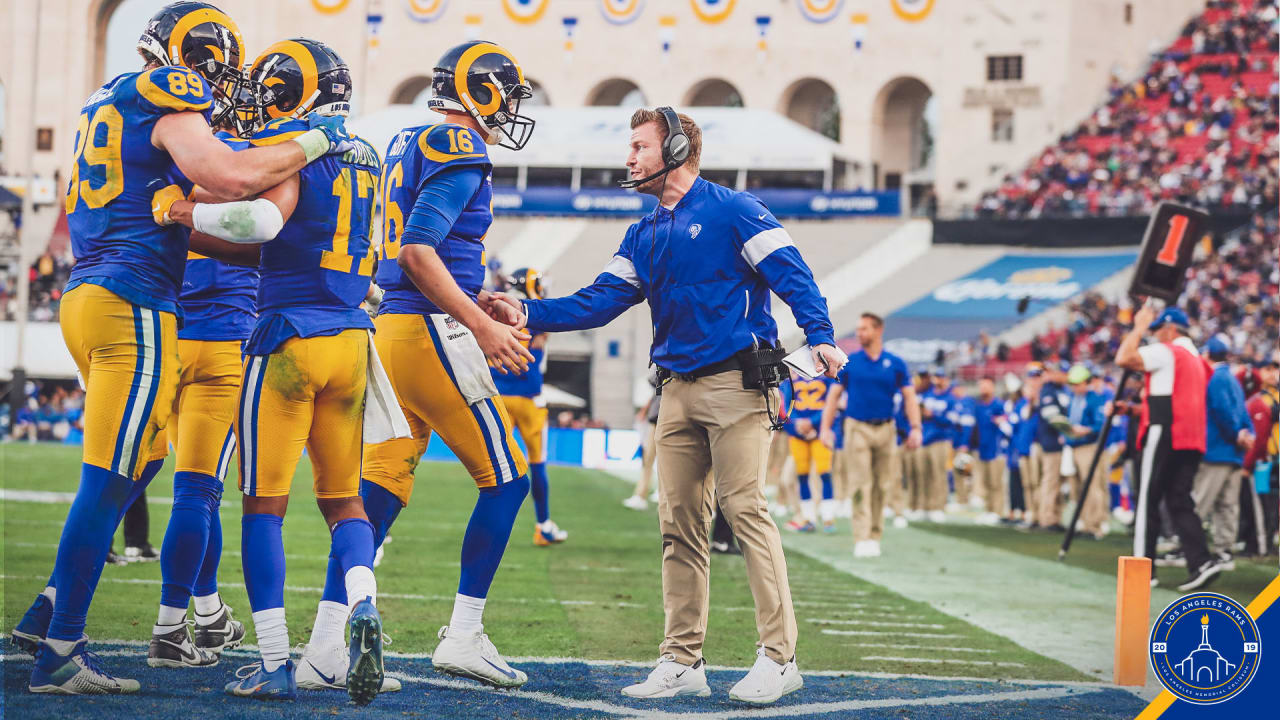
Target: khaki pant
<point>841,476</point>
<point>935,458</point>
<point>779,452</point>
<point>988,483</point>
<point>1216,492</point>
<point>647,454</point>
<point>1049,492</point>
<point>897,494</point>
<point>870,451</point>
<point>1029,469</point>
<point>913,474</point>
<point>1094,514</point>
<point>964,483</point>
<point>714,422</point>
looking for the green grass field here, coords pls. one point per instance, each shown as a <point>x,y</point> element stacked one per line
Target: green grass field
<point>598,596</point>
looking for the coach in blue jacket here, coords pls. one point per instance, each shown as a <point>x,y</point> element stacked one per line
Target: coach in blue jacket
<point>1086,411</point>
<point>1216,489</point>
<point>705,260</point>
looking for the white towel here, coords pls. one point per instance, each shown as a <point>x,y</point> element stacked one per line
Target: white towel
<point>466,360</point>
<point>1068,461</point>
<point>383,418</point>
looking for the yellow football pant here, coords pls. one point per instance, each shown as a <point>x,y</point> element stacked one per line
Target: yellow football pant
<point>128,358</point>
<point>204,408</point>
<point>531,421</point>
<point>308,393</point>
<point>479,434</point>
<point>810,454</point>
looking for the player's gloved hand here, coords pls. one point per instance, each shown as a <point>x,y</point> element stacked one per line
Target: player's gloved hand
<point>162,200</point>
<point>327,134</point>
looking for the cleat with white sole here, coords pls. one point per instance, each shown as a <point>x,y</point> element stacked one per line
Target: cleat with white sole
<point>176,649</point>
<point>326,669</point>
<point>672,679</point>
<point>472,655</point>
<point>222,633</point>
<point>79,672</point>
<point>636,502</point>
<point>767,681</point>
<point>254,681</point>
<point>365,672</point>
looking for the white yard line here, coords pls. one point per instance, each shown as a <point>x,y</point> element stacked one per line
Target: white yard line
<point>876,623</point>
<point>935,661</point>
<point>893,633</point>
<point>892,646</point>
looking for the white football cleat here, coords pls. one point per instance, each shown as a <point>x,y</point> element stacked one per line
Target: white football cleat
<point>767,681</point>
<point>326,669</point>
<point>474,656</point>
<point>635,502</point>
<point>672,679</point>
<point>866,549</point>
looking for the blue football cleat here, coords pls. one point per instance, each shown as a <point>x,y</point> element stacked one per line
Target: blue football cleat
<point>34,625</point>
<point>253,681</point>
<point>364,674</point>
<point>76,673</point>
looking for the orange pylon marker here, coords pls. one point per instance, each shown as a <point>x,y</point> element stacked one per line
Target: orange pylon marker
<point>1133,616</point>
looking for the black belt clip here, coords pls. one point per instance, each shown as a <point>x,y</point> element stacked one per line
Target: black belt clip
<point>762,367</point>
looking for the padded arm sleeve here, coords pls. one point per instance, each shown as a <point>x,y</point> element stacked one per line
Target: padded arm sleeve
<point>248,222</point>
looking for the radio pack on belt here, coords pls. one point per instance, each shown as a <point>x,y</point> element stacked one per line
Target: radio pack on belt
<point>762,367</point>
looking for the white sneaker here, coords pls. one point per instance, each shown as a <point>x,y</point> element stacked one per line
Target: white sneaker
<point>635,502</point>
<point>937,516</point>
<point>987,518</point>
<point>672,679</point>
<point>888,511</point>
<point>915,515</point>
<point>976,503</point>
<point>326,669</point>
<point>551,532</point>
<point>866,549</point>
<point>953,507</point>
<point>474,656</point>
<point>653,496</point>
<point>767,681</point>
<point>900,522</point>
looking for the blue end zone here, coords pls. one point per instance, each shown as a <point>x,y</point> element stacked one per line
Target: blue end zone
<point>556,690</point>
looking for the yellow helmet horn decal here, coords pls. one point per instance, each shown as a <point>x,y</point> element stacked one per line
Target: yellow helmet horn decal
<point>198,17</point>
<point>464,67</point>
<point>306,63</point>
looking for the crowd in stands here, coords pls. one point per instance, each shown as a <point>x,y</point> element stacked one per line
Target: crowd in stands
<point>48,276</point>
<point>1199,127</point>
<point>52,411</point>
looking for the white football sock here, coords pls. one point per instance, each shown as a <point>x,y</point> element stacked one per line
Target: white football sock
<point>273,637</point>
<point>360,585</point>
<point>828,509</point>
<point>207,605</point>
<point>807,510</point>
<point>468,612</point>
<point>50,592</point>
<point>169,616</point>
<point>331,620</point>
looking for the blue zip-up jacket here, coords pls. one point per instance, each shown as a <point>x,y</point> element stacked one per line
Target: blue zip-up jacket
<point>964,419</point>
<point>1023,425</point>
<point>1088,411</point>
<point>1227,417</point>
<point>987,418</point>
<point>1052,397</point>
<point>706,267</point>
<point>939,425</point>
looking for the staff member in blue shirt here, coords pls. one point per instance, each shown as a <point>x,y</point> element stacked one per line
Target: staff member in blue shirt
<point>1086,411</point>
<point>705,260</point>
<point>962,440</point>
<point>872,377</point>
<point>1051,405</point>
<point>1216,489</point>
<point>988,471</point>
<point>937,408</point>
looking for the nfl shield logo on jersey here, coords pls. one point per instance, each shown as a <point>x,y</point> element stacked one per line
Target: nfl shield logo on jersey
<point>450,323</point>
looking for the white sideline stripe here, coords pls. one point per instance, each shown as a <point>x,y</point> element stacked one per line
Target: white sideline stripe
<point>827,631</point>
<point>942,660</point>
<point>920,647</point>
<point>876,623</point>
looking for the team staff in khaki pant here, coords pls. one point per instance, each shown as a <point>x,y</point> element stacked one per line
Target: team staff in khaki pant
<point>1052,407</point>
<point>937,409</point>
<point>1086,411</point>
<point>989,465</point>
<point>871,379</point>
<point>706,260</point>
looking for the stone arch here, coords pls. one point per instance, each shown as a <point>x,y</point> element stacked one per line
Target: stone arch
<point>812,102</point>
<point>408,91</point>
<point>713,92</point>
<point>614,92</point>
<point>901,141</point>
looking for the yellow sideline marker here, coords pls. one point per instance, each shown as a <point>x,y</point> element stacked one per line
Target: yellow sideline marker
<point>1133,614</point>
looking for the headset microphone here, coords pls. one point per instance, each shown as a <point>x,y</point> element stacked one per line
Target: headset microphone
<point>675,149</point>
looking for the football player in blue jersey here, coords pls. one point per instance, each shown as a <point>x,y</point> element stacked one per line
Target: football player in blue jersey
<point>306,361</point>
<point>522,396</point>
<point>437,331</point>
<point>142,139</point>
<point>808,398</point>
<point>218,302</point>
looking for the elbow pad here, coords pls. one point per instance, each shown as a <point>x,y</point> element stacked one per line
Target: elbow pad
<point>248,222</point>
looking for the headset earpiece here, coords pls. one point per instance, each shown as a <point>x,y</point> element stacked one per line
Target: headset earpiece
<point>675,149</point>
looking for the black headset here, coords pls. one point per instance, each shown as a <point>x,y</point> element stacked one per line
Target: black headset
<point>675,148</point>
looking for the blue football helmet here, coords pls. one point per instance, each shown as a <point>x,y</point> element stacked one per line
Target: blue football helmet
<point>484,80</point>
<point>290,79</point>
<point>527,282</point>
<point>201,37</point>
